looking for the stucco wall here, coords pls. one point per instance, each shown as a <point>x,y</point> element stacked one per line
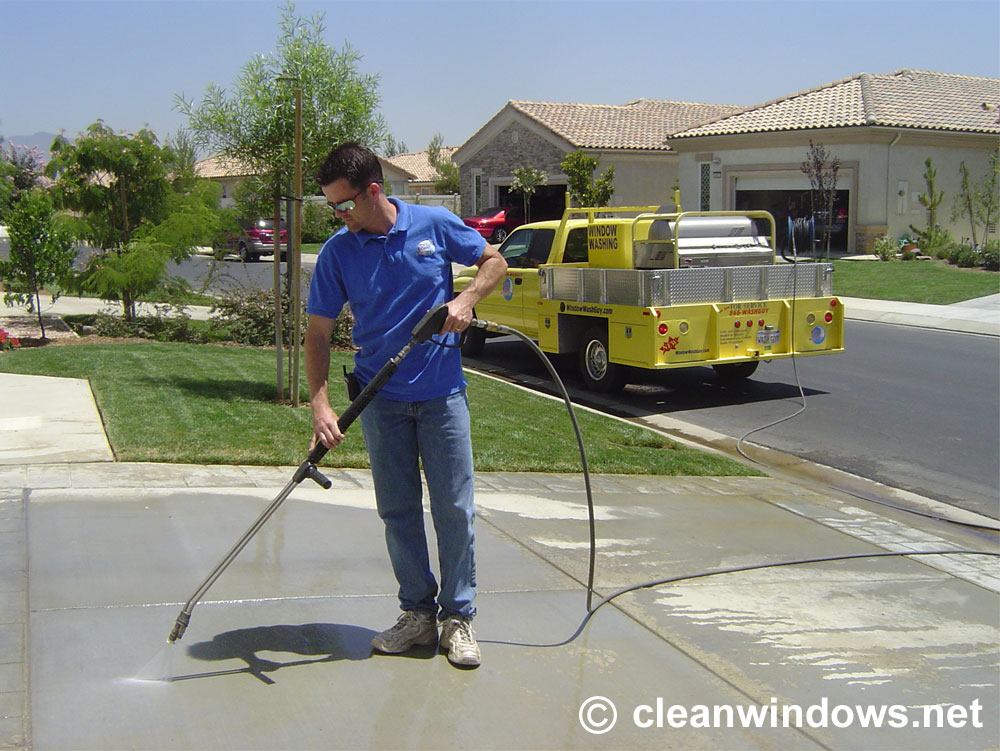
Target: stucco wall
<point>876,172</point>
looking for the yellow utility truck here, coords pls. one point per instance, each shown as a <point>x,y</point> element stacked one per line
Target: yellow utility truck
<point>653,288</point>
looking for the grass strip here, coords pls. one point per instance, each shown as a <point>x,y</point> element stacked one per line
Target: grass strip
<point>202,404</point>
<point>934,282</point>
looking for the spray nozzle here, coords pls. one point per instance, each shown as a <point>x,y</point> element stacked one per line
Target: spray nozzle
<point>180,627</point>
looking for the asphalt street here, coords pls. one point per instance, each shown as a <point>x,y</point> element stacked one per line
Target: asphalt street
<point>912,408</point>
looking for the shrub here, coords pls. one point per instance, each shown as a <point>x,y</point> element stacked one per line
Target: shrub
<point>247,315</point>
<point>933,240</point>
<point>170,324</point>
<point>955,251</point>
<point>318,222</point>
<point>342,330</point>
<point>991,255</point>
<point>968,259</point>
<point>884,247</point>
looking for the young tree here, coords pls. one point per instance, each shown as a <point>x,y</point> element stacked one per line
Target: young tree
<point>987,195</point>
<point>447,170</point>
<point>526,182</point>
<point>822,168</point>
<point>252,123</point>
<point>931,200</point>
<point>40,255</point>
<point>117,183</point>
<point>934,237</point>
<point>584,188</point>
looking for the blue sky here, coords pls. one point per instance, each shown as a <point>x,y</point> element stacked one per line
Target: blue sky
<point>448,67</point>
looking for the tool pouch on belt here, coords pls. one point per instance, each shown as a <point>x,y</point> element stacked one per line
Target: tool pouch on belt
<point>351,382</point>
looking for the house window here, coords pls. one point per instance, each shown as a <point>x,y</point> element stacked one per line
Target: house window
<point>705,201</point>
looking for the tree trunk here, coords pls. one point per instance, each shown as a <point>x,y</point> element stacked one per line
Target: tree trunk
<point>38,310</point>
<point>277,297</point>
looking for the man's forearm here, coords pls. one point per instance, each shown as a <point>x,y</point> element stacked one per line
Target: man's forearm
<point>317,350</point>
<point>491,271</point>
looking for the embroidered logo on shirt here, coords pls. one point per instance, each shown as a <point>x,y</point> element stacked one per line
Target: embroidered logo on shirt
<point>425,248</point>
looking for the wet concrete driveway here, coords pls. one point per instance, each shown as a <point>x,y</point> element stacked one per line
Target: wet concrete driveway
<point>277,654</point>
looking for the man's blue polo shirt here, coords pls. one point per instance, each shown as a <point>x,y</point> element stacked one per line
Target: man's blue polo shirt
<point>390,281</point>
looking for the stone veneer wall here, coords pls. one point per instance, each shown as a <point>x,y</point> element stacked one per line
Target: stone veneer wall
<point>502,156</point>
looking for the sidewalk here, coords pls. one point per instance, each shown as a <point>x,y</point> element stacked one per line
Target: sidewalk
<point>97,558</point>
<point>979,316</point>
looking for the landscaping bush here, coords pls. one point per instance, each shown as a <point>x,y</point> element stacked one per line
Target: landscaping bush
<point>884,248</point>
<point>247,317</point>
<point>318,222</point>
<point>170,324</point>
<point>954,251</point>
<point>968,259</point>
<point>991,255</point>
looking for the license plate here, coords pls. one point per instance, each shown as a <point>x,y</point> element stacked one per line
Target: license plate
<point>769,337</point>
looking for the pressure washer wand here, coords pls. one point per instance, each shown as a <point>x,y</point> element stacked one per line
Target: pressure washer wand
<point>429,325</point>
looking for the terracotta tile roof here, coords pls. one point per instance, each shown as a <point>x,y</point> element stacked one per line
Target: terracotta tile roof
<point>642,124</point>
<point>218,166</point>
<point>417,165</point>
<point>904,99</point>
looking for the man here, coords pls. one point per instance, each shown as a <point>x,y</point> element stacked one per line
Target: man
<point>392,263</point>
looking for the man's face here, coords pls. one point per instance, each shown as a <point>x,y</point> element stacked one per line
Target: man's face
<point>358,218</point>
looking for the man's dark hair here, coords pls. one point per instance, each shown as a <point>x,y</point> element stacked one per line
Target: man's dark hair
<point>352,162</point>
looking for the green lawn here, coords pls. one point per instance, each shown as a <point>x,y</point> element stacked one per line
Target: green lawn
<point>912,281</point>
<point>204,404</point>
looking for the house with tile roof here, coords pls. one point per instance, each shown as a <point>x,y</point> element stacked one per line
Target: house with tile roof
<point>630,136</point>
<point>424,174</point>
<point>225,172</point>
<point>882,128</point>
<point>229,174</point>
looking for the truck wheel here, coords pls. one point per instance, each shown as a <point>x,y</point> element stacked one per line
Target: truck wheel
<point>474,341</point>
<point>599,373</point>
<point>245,255</point>
<point>736,371</point>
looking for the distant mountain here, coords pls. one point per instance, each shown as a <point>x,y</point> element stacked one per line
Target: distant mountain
<point>40,141</point>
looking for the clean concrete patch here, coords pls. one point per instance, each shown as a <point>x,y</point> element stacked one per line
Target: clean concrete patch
<point>50,420</point>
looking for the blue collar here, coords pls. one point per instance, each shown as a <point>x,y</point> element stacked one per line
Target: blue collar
<point>402,223</point>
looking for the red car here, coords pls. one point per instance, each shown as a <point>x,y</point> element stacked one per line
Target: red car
<point>254,239</point>
<point>497,222</point>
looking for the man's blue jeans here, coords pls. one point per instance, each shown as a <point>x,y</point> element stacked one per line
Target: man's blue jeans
<point>399,436</point>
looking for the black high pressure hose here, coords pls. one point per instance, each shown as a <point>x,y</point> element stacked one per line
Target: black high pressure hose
<point>429,325</point>
<point>501,329</point>
<point>591,609</point>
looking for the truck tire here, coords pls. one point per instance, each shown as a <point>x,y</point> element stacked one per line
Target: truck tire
<point>474,341</point>
<point>733,372</point>
<point>599,373</point>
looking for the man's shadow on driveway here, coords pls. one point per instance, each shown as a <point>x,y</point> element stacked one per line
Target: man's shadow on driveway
<point>315,642</point>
